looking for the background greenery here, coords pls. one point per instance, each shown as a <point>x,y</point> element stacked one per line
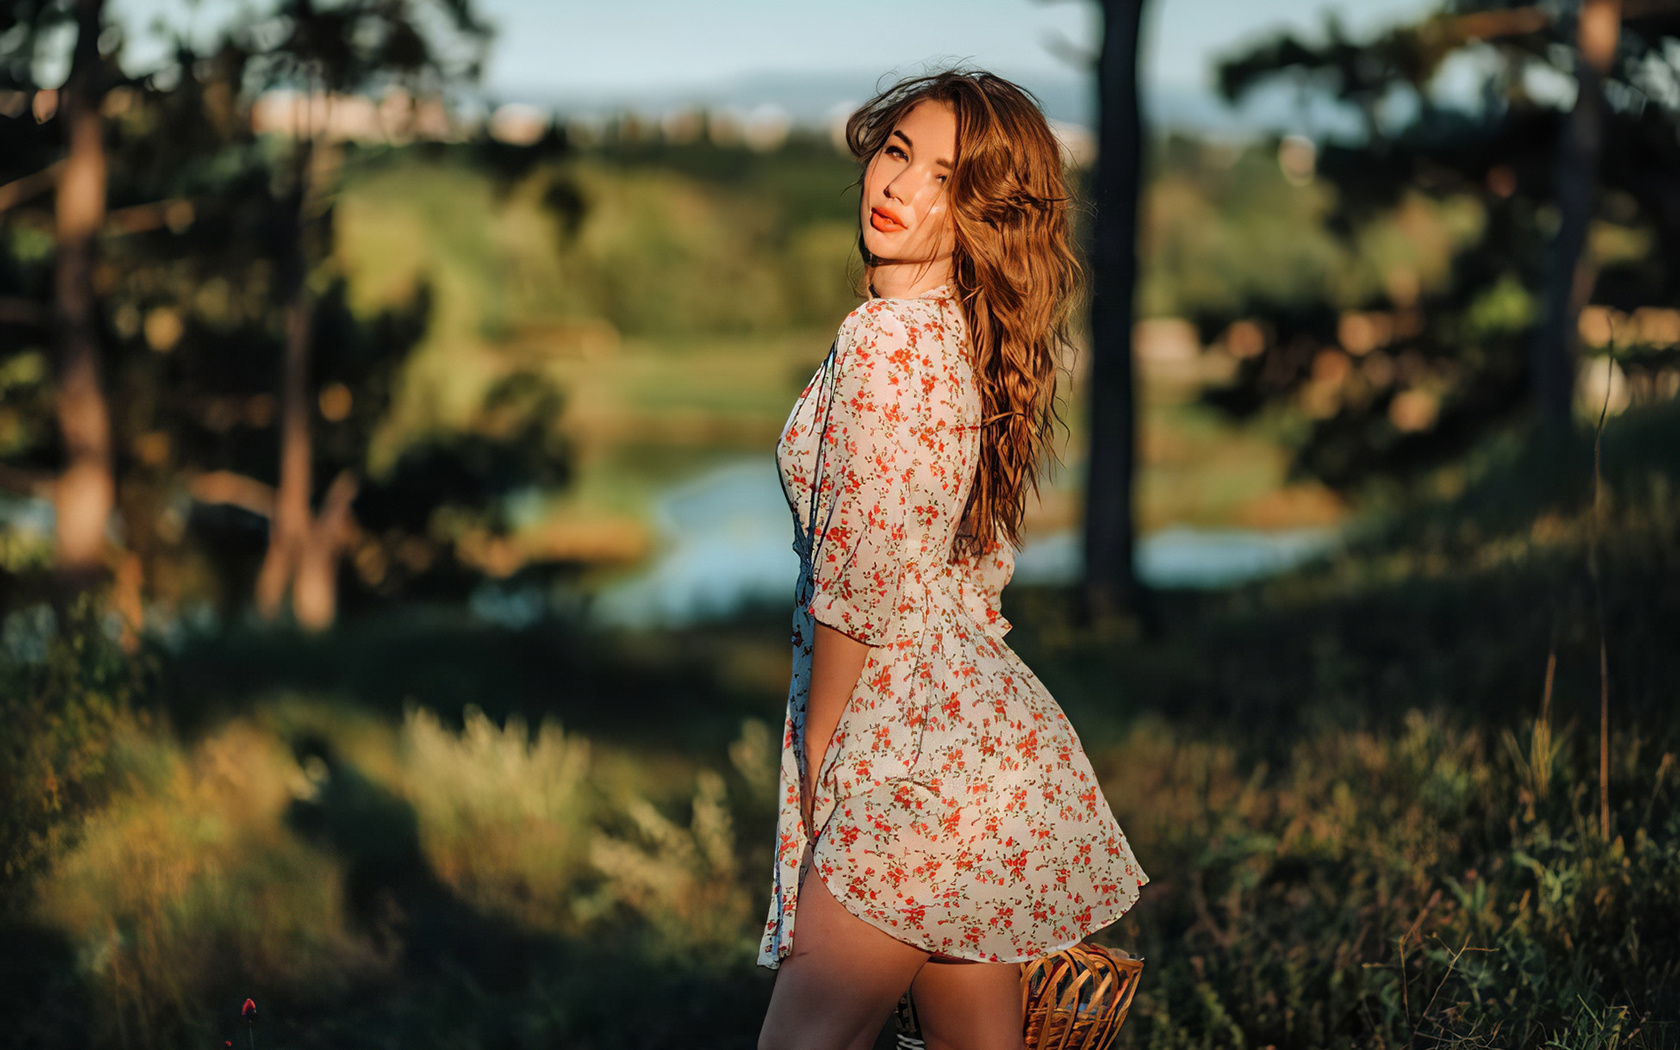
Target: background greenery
<point>1368,809</point>
<point>1367,792</point>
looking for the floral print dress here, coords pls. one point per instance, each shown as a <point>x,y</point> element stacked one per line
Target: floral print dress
<point>955,808</point>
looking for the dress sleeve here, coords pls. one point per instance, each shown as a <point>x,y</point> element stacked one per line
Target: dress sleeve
<point>886,479</point>
<point>987,574</point>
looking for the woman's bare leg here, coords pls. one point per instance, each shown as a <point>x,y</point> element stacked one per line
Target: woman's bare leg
<point>839,985</point>
<point>969,1005</point>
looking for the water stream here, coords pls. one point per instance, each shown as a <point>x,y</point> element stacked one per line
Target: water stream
<point>725,540</point>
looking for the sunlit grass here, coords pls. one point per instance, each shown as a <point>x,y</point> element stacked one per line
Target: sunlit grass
<point>503,814</point>
<point>191,881</point>
<point>1365,793</point>
<point>1372,889</point>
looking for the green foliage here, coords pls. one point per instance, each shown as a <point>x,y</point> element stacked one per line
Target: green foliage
<point>1380,890</point>
<point>1228,236</point>
<point>190,888</point>
<point>1222,230</point>
<point>648,247</point>
<point>67,695</point>
<point>503,818</point>
<point>1504,307</point>
<point>219,245</point>
<point>662,254</point>
<point>1446,216</point>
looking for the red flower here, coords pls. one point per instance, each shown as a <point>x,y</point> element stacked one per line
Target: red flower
<point>249,1011</point>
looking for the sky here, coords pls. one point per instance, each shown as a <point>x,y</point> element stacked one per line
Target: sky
<point>657,53</point>
<point>632,45</point>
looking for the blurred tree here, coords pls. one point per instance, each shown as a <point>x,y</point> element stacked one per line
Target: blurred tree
<point>326,52</point>
<point>1110,576</point>
<point>84,491</point>
<point>213,238</point>
<point>457,486</point>
<point>1417,374</point>
<point>1580,147</point>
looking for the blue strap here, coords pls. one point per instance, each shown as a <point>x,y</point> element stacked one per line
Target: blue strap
<point>826,388</point>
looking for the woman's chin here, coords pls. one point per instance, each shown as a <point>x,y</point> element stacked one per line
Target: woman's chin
<point>880,245</point>
<point>894,254</point>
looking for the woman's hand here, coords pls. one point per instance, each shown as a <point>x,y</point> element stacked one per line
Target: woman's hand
<point>836,662</point>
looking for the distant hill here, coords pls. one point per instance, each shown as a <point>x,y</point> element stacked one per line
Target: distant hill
<point>816,99</point>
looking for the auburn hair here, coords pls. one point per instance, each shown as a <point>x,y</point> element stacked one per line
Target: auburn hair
<point>1014,273</point>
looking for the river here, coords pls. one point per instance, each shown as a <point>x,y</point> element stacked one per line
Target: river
<point>725,541</point>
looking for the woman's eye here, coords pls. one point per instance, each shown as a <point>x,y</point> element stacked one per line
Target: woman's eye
<point>893,151</point>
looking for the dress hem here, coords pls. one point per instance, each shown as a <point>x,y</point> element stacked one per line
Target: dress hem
<point>846,902</point>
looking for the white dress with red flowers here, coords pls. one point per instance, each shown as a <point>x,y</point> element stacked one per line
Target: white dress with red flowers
<point>955,808</point>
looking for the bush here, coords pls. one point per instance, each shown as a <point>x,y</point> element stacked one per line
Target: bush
<point>686,883</point>
<point>191,889</point>
<point>67,693</point>
<point>1404,889</point>
<point>504,819</point>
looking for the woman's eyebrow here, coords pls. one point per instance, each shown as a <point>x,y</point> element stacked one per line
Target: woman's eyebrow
<point>941,161</point>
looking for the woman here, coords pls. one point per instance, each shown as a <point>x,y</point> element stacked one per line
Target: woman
<point>928,779</point>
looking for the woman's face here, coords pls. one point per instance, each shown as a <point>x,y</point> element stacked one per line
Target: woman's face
<point>905,210</point>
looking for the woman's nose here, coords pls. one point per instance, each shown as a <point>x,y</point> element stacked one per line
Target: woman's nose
<point>902,188</point>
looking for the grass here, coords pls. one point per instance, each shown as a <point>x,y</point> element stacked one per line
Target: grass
<point>1372,786</point>
<point>1406,888</point>
<point>1366,794</point>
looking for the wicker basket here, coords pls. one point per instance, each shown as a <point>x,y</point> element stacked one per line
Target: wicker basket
<point>1073,1000</point>
<point>1077,999</point>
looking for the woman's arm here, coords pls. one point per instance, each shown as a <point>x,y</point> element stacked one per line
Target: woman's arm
<point>836,662</point>
<point>876,506</point>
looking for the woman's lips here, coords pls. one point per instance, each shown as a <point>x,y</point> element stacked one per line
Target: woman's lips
<point>884,222</point>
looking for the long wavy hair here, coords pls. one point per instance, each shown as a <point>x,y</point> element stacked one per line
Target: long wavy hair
<point>1015,275</point>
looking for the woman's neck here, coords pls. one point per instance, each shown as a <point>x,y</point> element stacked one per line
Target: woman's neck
<point>908,280</point>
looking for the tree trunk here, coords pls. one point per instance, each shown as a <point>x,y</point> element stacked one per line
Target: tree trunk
<point>303,551</point>
<point>128,599</point>
<point>315,587</point>
<point>1110,579</point>
<point>289,525</point>
<point>1568,276</point>
<point>85,492</point>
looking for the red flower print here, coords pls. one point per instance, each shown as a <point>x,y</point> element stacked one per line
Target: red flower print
<point>956,808</point>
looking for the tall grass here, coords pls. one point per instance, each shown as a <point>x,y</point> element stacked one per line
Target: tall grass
<point>1411,889</point>
<point>67,693</point>
<point>1374,889</point>
<point>687,883</point>
<point>267,858</point>
<point>1367,795</point>
<point>504,819</point>
<point>190,888</point>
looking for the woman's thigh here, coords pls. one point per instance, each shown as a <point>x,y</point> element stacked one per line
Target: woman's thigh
<point>839,985</point>
<point>969,1005</point>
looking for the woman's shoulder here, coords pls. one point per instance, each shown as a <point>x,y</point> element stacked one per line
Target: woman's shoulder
<point>890,350</point>
<point>918,330</point>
